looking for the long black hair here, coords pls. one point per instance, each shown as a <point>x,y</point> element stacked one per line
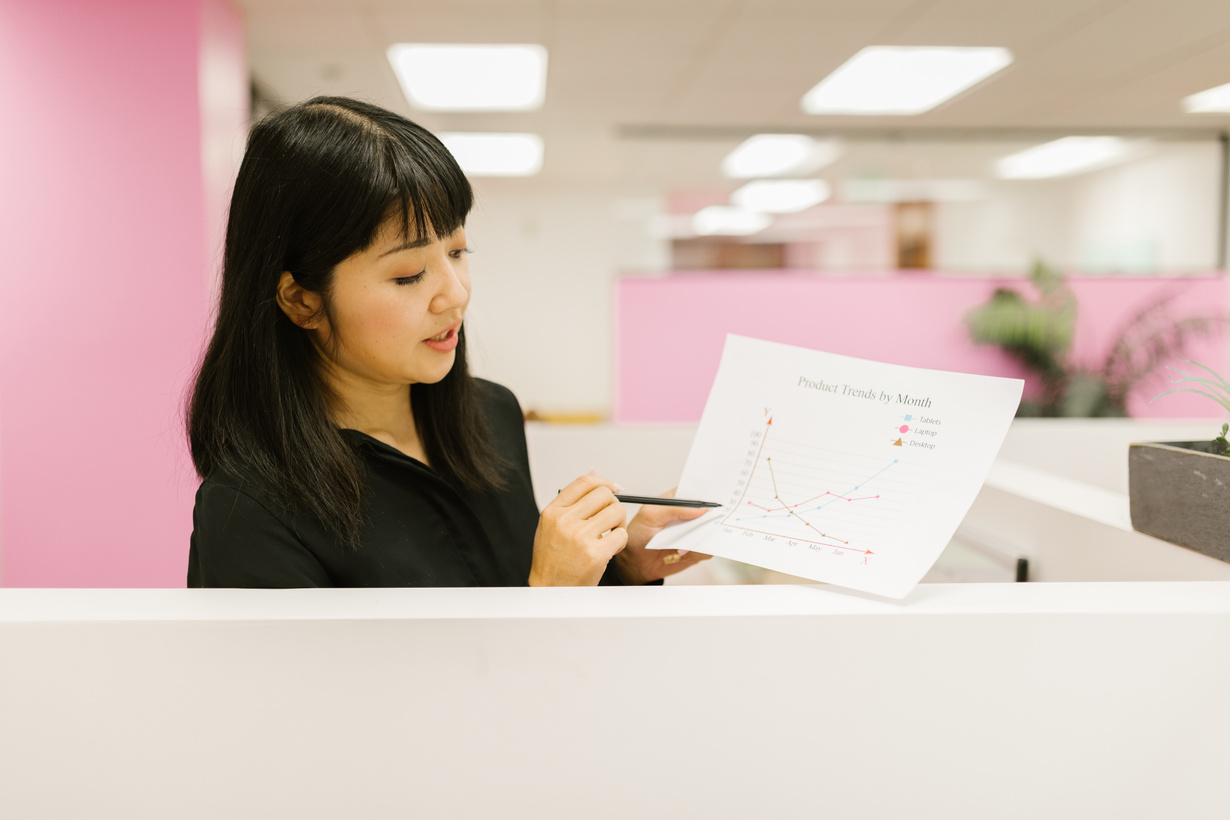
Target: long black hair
<point>317,182</point>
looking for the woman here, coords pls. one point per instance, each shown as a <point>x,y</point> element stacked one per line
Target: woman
<point>339,435</point>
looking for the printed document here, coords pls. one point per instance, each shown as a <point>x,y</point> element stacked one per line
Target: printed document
<point>836,469</point>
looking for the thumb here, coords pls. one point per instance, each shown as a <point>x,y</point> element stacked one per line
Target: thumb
<point>676,515</point>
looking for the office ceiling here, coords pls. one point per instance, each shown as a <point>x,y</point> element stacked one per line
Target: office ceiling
<point>650,92</point>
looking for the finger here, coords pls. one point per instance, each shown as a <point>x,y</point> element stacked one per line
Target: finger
<point>685,514</point>
<point>665,516</point>
<point>593,502</point>
<point>578,489</point>
<point>619,488</point>
<point>690,560</point>
<point>615,540</point>
<point>682,562</point>
<point>605,519</point>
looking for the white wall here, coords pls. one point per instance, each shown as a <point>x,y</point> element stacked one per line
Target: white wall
<point>1004,233</point>
<point>542,271</point>
<point>1155,214</point>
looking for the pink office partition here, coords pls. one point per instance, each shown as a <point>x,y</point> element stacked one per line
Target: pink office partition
<point>670,329</point>
<point>106,282</point>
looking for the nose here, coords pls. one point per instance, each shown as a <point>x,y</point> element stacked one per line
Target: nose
<point>454,285</point>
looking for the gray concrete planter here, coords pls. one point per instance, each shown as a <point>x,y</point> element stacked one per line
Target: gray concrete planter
<point>1180,492</point>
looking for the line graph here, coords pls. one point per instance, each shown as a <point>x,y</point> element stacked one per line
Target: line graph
<point>819,496</point>
<point>825,467</point>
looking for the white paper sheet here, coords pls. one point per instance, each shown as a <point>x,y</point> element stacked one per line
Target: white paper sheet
<point>842,470</point>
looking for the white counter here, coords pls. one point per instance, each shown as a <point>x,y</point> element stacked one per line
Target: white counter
<point>964,700</point>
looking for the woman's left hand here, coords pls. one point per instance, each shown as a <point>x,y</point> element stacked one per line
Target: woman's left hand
<point>638,565</point>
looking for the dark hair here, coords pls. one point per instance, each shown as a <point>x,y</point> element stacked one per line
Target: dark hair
<point>317,182</point>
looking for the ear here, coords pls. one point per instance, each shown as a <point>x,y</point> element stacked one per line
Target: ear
<point>302,306</point>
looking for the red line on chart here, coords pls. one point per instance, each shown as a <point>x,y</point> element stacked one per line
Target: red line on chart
<point>832,541</point>
<point>769,461</point>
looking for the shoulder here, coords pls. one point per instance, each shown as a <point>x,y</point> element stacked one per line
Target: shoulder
<point>504,418</point>
<point>497,399</point>
<point>225,493</point>
<point>240,538</point>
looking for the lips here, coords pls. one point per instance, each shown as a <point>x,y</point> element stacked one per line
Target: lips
<point>444,342</point>
<point>444,335</point>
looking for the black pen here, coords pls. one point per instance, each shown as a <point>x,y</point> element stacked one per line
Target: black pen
<point>664,502</point>
<point>661,502</point>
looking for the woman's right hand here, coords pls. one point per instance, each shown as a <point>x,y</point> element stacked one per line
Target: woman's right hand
<point>578,533</point>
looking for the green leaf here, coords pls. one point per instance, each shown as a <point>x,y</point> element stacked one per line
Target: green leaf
<point>1223,402</point>
<point>1223,384</point>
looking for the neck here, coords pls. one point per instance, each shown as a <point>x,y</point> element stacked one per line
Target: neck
<point>381,411</point>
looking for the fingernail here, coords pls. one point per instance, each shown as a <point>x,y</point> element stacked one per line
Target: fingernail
<point>682,552</point>
<point>592,472</point>
<point>619,488</point>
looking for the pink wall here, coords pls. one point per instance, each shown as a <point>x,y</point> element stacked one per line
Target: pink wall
<point>670,330</point>
<point>106,282</point>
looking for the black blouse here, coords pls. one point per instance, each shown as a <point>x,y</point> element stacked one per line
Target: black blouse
<point>420,529</point>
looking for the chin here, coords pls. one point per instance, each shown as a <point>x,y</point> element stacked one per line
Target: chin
<point>434,375</point>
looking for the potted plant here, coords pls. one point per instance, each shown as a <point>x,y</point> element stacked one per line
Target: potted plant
<point>1039,332</point>
<point>1180,490</point>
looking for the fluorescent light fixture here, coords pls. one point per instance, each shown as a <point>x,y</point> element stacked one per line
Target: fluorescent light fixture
<point>1063,157</point>
<point>780,196</point>
<point>482,154</point>
<point>1213,101</point>
<point>769,155</point>
<point>888,80</point>
<point>879,190</point>
<point>724,220</point>
<point>439,77</point>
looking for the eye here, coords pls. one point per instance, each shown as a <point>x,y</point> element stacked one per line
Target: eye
<point>457,253</point>
<point>410,280</point>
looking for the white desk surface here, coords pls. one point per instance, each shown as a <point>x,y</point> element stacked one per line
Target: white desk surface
<point>68,605</point>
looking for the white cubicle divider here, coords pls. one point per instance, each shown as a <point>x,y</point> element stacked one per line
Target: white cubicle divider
<point>963,701</point>
<point>1058,495</point>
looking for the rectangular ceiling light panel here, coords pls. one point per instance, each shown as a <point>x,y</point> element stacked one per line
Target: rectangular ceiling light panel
<point>869,190</point>
<point>902,80</point>
<point>494,155</point>
<point>1063,157</point>
<point>722,220</point>
<point>440,77</point>
<point>1214,101</point>
<point>769,155</point>
<point>780,196</point>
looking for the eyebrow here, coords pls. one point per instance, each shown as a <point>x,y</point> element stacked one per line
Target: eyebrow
<point>407,246</point>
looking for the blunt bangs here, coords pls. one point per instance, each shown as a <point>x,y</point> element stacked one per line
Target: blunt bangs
<point>420,180</point>
<point>363,165</point>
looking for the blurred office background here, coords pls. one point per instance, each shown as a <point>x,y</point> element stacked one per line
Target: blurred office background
<point>609,268</point>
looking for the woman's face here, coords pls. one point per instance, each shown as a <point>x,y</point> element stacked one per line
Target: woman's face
<point>397,307</point>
